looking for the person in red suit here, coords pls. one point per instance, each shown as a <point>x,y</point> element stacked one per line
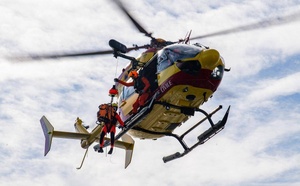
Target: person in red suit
<point>110,120</point>
<point>141,86</point>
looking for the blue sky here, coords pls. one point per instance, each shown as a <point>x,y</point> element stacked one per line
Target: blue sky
<point>259,146</point>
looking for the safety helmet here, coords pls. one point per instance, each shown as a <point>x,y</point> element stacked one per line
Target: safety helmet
<point>115,106</point>
<point>133,74</point>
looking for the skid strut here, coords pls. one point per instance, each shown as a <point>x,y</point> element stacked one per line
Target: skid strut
<point>202,138</point>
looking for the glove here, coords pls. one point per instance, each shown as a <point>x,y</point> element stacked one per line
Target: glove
<point>116,80</point>
<point>120,126</point>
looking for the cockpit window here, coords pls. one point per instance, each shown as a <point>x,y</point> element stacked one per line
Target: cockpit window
<point>173,53</point>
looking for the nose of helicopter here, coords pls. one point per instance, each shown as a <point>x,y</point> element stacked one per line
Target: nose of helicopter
<point>209,58</point>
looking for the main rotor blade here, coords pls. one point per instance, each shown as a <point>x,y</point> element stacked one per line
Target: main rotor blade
<point>133,20</point>
<point>262,24</point>
<point>30,57</point>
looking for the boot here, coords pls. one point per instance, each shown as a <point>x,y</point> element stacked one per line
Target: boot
<point>100,150</point>
<point>110,151</point>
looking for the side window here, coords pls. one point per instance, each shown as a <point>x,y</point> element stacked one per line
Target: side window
<point>127,91</point>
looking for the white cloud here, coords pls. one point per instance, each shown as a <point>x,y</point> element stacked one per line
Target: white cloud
<point>259,145</point>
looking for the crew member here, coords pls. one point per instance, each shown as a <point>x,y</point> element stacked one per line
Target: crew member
<point>141,86</point>
<point>110,121</point>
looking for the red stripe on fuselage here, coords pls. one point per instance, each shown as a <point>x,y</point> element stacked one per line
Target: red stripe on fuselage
<point>202,79</point>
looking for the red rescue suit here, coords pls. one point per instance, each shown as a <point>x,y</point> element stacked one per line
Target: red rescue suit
<point>110,127</point>
<point>141,85</point>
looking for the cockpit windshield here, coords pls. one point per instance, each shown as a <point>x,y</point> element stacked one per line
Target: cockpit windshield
<point>173,53</point>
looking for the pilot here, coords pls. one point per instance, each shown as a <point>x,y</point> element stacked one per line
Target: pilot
<point>110,126</point>
<point>142,87</point>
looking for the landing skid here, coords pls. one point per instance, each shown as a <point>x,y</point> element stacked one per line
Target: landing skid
<point>202,138</point>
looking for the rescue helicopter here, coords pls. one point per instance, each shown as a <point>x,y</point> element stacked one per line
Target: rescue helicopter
<point>182,77</point>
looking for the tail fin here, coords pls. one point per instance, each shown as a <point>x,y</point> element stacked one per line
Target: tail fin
<point>48,132</point>
<point>129,149</point>
<point>127,144</point>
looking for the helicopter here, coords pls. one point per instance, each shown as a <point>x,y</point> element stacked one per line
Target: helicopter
<point>182,76</point>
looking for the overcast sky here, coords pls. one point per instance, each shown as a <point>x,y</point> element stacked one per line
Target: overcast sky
<point>259,146</point>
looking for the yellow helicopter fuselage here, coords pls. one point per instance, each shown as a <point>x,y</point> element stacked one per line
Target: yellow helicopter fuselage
<point>187,82</point>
